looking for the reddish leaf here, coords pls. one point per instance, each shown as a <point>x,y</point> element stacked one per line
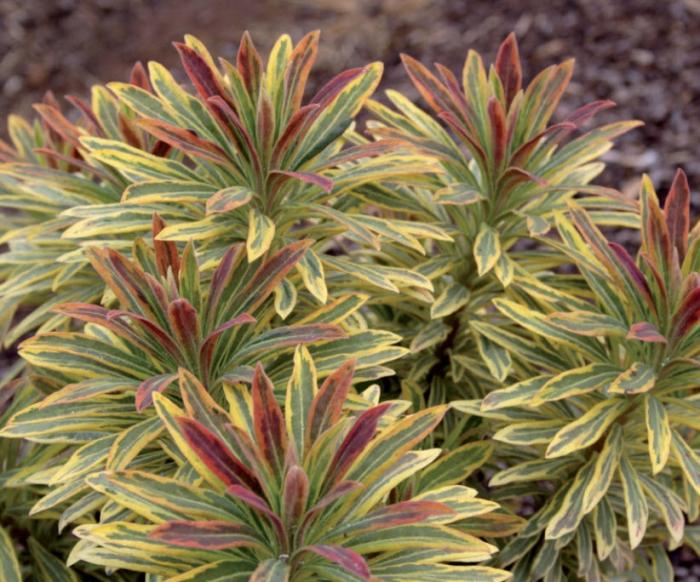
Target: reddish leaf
<point>645,332</point>
<point>159,336</point>
<point>129,133</point>
<point>294,131</point>
<point>406,513</point>
<point>74,163</point>
<point>355,441</point>
<point>185,140</point>
<point>346,558</point>
<point>327,405</point>
<point>474,146</point>
<point>295,494</point>
<point>656,241</point>
<point>205,535</point>
<point>249,64</point>
<point>688,314</point>
<point>265,126</point>
<point>161,149</point>
<point>58,123</point>
<point>497,118</point>
<point>328,92</point>
<point>216,455</point>
<point>87,112</point>
<point>294,335</point>
<point>586,112</point>
<point>207,350</point>
<point>139,77</point>
<point>126,279</point>
<point>221,278</point>
<point>326,184</point>
<point>457,98</point>
<point>199,72</point>
<point>337,492</point>
<point>300,62</point>
<point>184,324</point>
<point>232,124</point>
<point>166,251</point>
<point>145,391</point>
<point>271,274</point>
<point>522,154</point>
<point>513,176</point>
<point>508,67</point>
<point>110,320</point>
<point>268,420</point>
<point>677,213</point>
<point>635,275</point>
<point>430,88</point>
<point>259,504</point>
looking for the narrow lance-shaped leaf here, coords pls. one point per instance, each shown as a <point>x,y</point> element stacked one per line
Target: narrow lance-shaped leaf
<point>205,535</point>
<point>301,391</point>
<point>587,429</point>
<point>487,249</point>
<point>635,502</point>
<point>261,231</point>
<point>658,433</point>
<point>268,420</point>
<point>327,404</point>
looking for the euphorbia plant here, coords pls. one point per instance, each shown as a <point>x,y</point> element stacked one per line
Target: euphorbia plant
<point>190,261</point>
<point>303,491</point>
<point>611,416</point>
<point>170,314</point>
<point>45,172</point>
<point>505,170</point>
<point>257,164</point>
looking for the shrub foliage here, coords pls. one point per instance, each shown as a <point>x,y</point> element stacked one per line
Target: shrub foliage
<point>257,342</point>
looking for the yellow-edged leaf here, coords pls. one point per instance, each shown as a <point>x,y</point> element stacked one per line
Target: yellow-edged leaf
<point>658,433</point>
<point>261,232</point>
<point>487,249</point>
<point>587,429</point>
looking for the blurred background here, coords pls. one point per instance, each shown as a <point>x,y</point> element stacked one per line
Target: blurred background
<point>643,54</point>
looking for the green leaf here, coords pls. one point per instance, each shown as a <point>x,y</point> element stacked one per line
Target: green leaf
<point>586,429</point>
<point>261,231</point>
<point>229,199</point>
<point>605,529</point>
<point>487,249</point>
<point>311,270</point>
<point>301,390</point>
<point>460,194</point>
<point>9,566</point>
<point>496,358</point>
<point>519,394</point>
<point>537,470</point>
<point>48,566</point>
<point>575,382</point>
<point>571,510</point>
<point>636,507</point>
<point>285,298</point>
<point>271,571</point>
<point>603,469</point>
<point>588,323</point>
<point>658,433</point>
<point>688,460</point>
<point>529,433</point>
<point>639,378</point>
<point>452,298</point>
<point>455,466</point>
